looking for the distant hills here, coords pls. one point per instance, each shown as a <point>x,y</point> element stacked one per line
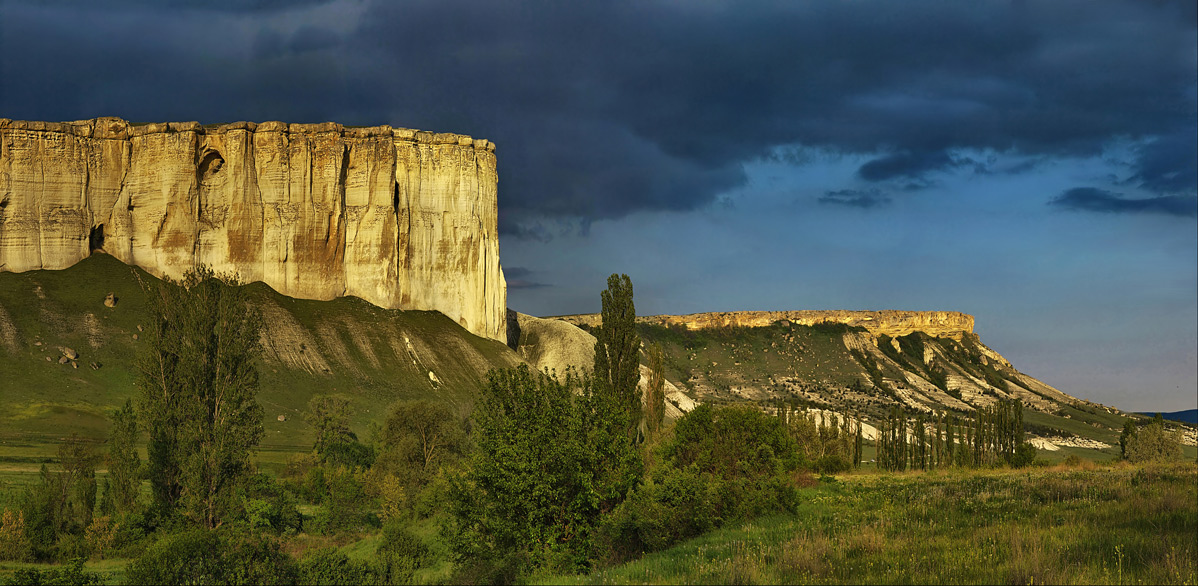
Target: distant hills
<point>860,365</point>
<point>1187,416</point>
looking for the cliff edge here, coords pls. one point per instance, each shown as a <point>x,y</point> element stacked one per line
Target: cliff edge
<point>401,218</point>
<point>946,324</point>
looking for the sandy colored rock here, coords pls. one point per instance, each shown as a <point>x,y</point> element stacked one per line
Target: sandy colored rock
<point>950,324</point>
<point>110,300</point>
<point>401,219</point>
<point>68,353</point>
<point>556,346</point>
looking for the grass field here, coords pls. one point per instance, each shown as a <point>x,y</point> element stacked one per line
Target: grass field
<point>1116,524</point>
<point>1086,525</point>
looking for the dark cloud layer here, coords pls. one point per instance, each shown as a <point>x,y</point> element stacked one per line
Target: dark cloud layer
<point>854,198</point>
<point>518,278</point>
<point>906,165</point>
<point>1091,199</point>
<point>605,109</point>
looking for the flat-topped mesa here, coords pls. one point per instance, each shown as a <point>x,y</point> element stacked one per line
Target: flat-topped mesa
<point>945,324</point>
<point>401,218</point>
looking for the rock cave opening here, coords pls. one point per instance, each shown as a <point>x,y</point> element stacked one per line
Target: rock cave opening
<point>210,164</point>
<point>95,240</point>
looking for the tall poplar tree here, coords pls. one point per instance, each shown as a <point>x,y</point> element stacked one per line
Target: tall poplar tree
<point>124,463</point>
<point>617,352</point>
<point>615,406</point>
<point>199,385</point>
<point>655,404</point>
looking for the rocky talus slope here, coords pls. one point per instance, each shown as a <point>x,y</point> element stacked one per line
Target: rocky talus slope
<point>398,217</point>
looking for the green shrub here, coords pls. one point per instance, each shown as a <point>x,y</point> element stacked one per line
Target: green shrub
<point>1025,454</point>
<point>14,543</point>
<point>1153,442</point>
<point>69,575</point>
<point>346,505</point>
<point>329,566</point>
<point>132,529</point>
<point>201,556</point>
<point>190,557</point>
<point>257,559</point>
<point>672,505</point>
<point>268,505</point>
<point>831,464</point>
<point>351,454</point>
<point>722,464</point>
<point>400,554</point>
<point>531,492</point>
<point>72,546</point>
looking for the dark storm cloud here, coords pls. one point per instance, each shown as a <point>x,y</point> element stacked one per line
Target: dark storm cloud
<point>606,109</point>
<point>906,165</point>
<point>518,278</point>
<point>1098,200</point>
<point>854,198</point>
<point>1167,164</point>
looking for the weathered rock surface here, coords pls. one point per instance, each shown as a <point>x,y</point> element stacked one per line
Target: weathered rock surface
<point>400,218</point>
<point>949,324</point>
<point>558,347</point>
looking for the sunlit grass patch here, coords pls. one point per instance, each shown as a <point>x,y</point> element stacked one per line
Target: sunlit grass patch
<point>1118,524</point>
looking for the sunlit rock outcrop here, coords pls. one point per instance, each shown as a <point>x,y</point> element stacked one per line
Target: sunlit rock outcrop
<point>400,218</point>
<point>947,324</point>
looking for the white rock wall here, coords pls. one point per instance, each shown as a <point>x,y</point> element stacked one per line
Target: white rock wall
<point>400,218</point>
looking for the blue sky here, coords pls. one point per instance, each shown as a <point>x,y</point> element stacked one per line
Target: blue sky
<point>1030,163</point>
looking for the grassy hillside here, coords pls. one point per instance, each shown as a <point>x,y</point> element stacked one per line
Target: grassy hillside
<point>346,346</point>
<point>847,370</point>
<point>1088,525</point>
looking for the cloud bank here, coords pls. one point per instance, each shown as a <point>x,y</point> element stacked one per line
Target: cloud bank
<point>601,110</point>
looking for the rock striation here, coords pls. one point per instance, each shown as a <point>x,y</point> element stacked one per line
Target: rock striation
<point>401,218</point>
<point>946,324</point>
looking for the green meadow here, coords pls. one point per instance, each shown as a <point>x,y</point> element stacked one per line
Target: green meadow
<point>1088,524</point>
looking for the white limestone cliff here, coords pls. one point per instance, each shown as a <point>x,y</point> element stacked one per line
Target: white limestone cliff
<point>400,218</point>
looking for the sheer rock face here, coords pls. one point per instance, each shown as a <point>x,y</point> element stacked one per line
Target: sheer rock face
<point>947,324</point>
<point>400,218</point>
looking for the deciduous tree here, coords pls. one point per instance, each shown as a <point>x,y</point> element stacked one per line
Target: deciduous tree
<point>655,404</point>
<point>124,463</point>
<point>199,386</point>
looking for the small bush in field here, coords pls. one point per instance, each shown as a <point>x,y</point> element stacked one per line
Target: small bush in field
<point>201,556</point>
<point>721,465</point>
<point>1153,442</point>
<point>330,566</point>
<point>14,544</point>
<point>69,575</point>
<point>400,554</point>
<point>831,464</point>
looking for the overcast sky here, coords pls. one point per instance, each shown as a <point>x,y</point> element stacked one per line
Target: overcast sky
<point>1030,163</point>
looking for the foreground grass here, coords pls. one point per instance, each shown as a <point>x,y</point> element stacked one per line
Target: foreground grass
<point>1120,525</point>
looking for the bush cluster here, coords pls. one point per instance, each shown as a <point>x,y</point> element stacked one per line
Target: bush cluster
<point>721,465</point>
